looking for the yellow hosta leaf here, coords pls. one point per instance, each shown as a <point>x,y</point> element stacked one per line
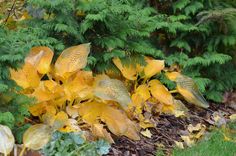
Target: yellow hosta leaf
<point>71,60</point>
<point>117,122</point>
<point>72,111</point>
<point>188,89</point>
<point>40,57</point>
<point>113,74</point>
<point>48,90</point>
<point>26,77</point>
<point>37,136</point>
<point>41,108</point>
<point>112,89</point>
<point>70,126</point>
<point>139,97</point>
<point>100,132</point>
<point>153,67</point>
<point>172,75</point>
<point>129,72</point>
<point>60,120</point>
<point>143,91</point>
<point>146,124</point>
<point>137,103</point>
<point>79,85</point>
<point>167,108</point>
<point>160,92</point>
<point>146,133</point>
<point>7,140</point>
<point>55,121</point>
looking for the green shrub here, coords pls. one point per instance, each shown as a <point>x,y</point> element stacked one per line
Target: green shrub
<point>200,36</point>
<point>197,35</point>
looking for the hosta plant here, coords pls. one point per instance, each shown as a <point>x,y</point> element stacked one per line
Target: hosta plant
<point>71,99</point>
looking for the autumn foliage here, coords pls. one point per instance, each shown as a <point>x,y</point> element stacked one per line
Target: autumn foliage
<point>71,99</point>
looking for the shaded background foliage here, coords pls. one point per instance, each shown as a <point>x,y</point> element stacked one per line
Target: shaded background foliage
<point>197,35</point>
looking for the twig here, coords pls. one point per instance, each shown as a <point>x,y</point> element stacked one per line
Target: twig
<point>9,14</point>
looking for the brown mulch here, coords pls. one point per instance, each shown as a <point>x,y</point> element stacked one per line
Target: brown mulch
<point>170,128</point>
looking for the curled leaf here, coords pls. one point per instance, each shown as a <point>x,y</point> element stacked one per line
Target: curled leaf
<point>37,136</point>
<point>7,140</point>
<point>71,60</point>
<point>153,67</point>
<point>129,72</point>
<point>40,57</point>
<point>160,92</point>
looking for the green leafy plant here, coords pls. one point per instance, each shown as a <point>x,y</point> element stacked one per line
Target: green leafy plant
<point>73,144</point>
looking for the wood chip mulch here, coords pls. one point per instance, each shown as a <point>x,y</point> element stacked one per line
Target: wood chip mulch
<point>170,128</point>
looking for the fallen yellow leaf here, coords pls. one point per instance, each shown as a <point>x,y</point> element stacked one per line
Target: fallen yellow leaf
<point>188,141</point>
<point>192,128</point>
<point>179,144</point>
<point>146,133</point>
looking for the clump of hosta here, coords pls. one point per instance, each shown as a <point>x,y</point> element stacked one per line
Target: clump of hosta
<point>70,99</point>
<point>150,95</point>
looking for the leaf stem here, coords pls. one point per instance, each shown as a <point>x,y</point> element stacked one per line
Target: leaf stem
<point>22,151</point>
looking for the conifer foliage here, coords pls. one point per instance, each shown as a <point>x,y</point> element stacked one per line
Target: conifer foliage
<point>198,36</point>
